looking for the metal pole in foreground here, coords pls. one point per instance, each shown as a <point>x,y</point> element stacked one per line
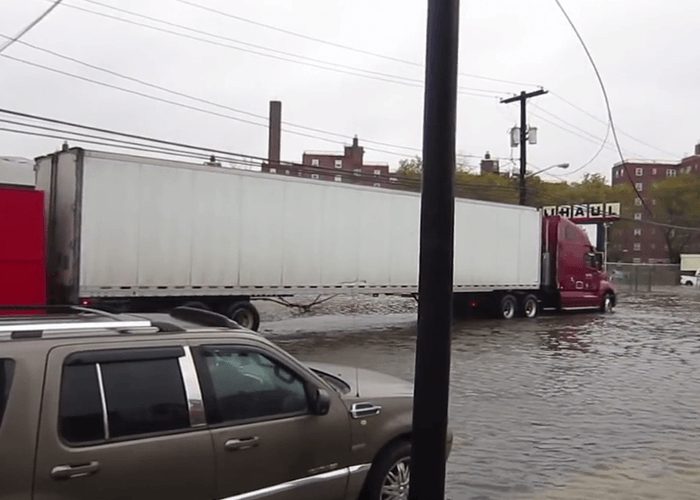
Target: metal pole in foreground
<point>432,377</point>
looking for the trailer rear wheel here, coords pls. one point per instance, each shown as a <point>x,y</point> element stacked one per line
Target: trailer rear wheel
<point>530,307</point>
<point>245,314</point>
<point>508,307</point>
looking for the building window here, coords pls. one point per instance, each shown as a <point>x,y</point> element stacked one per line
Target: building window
<point>638,216</point>
<point>653,202</point>
<point>377,185</point>
<point>638,172</point>
<point>638,202</point>
<point>357,172</point>
<point>636,260</point>
<point>315,162</point>
<point>338,163</point>
<point>273,170</point>
<point>653,171</point>
<point>377,171</point>
<point>653,246</point>
<point>637,232</point>
<point>639,186</point>
<point>338,178</point>
<point>286,172</point>
<point>637,247</point>
<point>393,179</point>
<point>314,176</point>
<point>670,172</point>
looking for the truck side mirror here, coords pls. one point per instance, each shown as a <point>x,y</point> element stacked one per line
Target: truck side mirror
<point>599,261</point>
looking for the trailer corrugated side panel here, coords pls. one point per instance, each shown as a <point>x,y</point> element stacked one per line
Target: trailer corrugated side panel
<point>154,227</point>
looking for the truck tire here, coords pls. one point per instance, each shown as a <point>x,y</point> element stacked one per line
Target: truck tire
<point>608,303</point>
<point>529,307</point>
<point>688,283</point>
<point>390,472</point>
<point>507,307</point>
<point>245,314</point>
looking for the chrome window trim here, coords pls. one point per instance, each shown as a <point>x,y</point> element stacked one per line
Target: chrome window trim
<point>193,390</point>
<point>297,483</point>
<point>103,400</point>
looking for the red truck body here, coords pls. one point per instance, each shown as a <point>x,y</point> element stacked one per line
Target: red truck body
<point>22,247</point>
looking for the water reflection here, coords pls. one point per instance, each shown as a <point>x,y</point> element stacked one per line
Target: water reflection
<point>561,407</point>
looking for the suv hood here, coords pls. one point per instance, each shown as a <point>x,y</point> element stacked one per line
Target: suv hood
<point>366,383</point>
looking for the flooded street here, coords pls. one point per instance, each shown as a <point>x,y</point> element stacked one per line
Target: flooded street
<point>576,406</point>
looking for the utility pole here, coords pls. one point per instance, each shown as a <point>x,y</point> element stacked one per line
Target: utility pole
<point>523,97</point>
<point>435,281</point>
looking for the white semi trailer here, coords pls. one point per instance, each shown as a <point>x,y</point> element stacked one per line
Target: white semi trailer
<point>142,234</point>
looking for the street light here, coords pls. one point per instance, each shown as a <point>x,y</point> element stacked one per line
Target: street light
<point>558,165</point>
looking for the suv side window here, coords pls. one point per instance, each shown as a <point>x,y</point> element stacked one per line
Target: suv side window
<point>7,369</point>
<point>144,397</point>
<point>140,396</point>
<point>248,385</point>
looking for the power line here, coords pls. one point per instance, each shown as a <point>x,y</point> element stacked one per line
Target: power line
<point>607,106</point>
<point>180,104</point>
<point>203,110</point>
<point>303,60</point>
<point>200,99</point>
<point>662,224</point>
<point>30,26</point>
<point>231,157</point>
<point>622,132</point>
<point>342,46</point>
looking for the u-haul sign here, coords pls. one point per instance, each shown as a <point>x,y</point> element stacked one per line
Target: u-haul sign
<point>585,211</point>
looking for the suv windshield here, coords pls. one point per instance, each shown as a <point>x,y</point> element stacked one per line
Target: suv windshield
<point>7,368</point>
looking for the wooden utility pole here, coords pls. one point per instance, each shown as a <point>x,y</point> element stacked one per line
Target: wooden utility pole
<point>523,97</point>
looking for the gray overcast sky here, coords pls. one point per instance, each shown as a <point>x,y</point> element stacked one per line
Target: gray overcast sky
<point>646,50</point>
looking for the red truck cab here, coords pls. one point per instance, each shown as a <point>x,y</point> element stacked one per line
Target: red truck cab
<point>572,271</point>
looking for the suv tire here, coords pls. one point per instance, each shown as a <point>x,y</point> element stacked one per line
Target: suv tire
<point>390,473</point>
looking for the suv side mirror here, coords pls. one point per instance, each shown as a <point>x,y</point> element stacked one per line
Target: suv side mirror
<point>320,401</point>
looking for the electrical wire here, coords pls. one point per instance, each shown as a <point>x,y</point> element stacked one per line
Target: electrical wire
<point>180,104</point>
<point>607,106</point>
<point>200,99</point>
<point>605,122</point>
<point>662,224</point>
<point>227,156</point>
<point>29,26</point>
<point>206,101</point>
<point>342,46</point>
<point>303,60</point>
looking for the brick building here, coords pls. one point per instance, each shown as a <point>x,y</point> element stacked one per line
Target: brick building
<point>639,242</point>
<point>348,167</point>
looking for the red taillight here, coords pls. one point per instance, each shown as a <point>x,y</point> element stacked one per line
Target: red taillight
<point>85,302</point>
<point>474,304</point>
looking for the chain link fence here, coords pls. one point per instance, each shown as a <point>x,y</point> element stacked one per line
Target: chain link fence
<point>644,277</point>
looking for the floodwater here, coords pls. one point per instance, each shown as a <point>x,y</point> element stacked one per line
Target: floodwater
<point>563,407</point>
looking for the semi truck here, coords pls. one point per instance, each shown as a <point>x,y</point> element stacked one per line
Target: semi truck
<point>142,234</point>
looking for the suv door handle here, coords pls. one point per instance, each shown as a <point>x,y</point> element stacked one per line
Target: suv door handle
<point>242,443</point>
<point>74,471</point>
<point>362,410</point>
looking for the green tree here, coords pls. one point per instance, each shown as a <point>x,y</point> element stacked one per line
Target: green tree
<point>678,204</point>
<point>410,167</point>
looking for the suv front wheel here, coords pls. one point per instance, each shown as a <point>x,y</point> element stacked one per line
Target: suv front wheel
<point>389,476</point>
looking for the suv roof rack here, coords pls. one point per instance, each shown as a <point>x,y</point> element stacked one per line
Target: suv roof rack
<point>23,326</point>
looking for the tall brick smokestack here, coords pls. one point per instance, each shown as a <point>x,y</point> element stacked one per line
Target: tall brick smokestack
<point>274,139</point>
